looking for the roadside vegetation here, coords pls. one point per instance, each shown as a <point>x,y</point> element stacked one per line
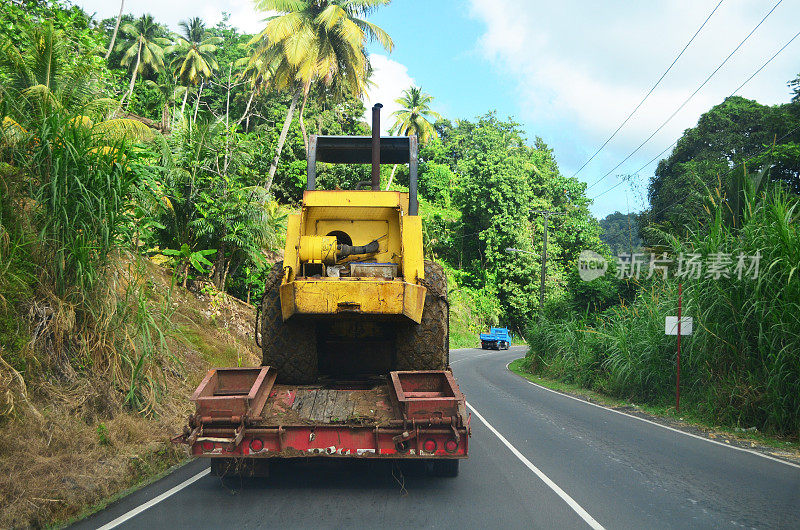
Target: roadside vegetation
<point>741,366</point>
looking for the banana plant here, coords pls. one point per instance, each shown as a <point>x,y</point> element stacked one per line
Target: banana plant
<point>187,258</point>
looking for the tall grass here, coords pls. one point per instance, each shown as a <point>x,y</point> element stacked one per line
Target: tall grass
<point>742,364</point>
<point>80,189</point>
<point>87,311</point>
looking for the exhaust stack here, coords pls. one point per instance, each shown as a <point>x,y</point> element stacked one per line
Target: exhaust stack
<point>376,147</point>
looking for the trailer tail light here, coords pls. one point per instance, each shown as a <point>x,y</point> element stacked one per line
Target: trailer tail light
<point>208,446</point>
<point>429,446</point>
<point>450,446</point>
<point>256,445</point>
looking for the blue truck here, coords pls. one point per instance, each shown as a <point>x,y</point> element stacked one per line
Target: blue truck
<point>496,339</point>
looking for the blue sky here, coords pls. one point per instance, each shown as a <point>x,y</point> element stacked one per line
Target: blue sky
<point>438,43</point>
<point>568,71</point>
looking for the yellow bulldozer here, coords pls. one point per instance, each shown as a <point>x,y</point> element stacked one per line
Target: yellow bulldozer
<point>353,295</point>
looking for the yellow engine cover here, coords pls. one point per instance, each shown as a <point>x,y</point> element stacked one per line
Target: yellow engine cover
<point>360,216</point>
<point>367,296</point>
<point>318,249</point>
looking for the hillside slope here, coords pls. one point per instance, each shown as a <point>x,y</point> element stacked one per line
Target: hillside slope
<point>77,444</point>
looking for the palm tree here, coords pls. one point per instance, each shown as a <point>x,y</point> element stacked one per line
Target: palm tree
<point>256,75</point>
<point>169,92</point>
<point>145,45</point>
<point>39,70</point>
<point>414,118</point>
<point>116,29</point>
<point>41,82</point>
<point>316,40</point>
<point>195,63</point>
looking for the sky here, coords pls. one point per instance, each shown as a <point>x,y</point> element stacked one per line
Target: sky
<point>567,71</point>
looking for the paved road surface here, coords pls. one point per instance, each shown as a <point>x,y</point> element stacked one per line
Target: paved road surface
<point>544,461</point>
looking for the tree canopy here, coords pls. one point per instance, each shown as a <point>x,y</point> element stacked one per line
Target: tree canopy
<point>736,133</point>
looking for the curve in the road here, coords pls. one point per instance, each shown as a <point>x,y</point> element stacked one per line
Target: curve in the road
<point>705,439</point>
<point>538,458</point>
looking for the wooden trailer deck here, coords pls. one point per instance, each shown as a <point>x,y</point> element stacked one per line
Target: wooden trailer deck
<point>309,405</point>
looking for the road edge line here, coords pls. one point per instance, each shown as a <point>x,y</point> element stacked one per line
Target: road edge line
<point>155,500</point>
<point>729,446</point>
<point>583,514</point>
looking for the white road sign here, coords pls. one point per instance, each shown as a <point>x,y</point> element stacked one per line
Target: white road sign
<point>671,326</point>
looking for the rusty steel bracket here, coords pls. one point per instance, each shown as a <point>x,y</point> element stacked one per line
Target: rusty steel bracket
<point>281,441</point>
<point>405,436</point>
<point>455,431</point>
<point>196,432</point>
<point>237,436</point>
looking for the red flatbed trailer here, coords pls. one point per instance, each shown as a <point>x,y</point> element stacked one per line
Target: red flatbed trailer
<point>243,417</point>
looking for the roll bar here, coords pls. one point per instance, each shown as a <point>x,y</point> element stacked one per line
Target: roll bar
<point>358,150</point>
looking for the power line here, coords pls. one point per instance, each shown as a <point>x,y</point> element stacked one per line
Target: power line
<point>689,98</point>
<point>736,166</point>
<point>621,125</point>
<point>766,63</point>
<point>670,146</point>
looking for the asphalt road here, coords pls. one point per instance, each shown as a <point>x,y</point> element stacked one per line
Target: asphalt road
<point>543,460</point>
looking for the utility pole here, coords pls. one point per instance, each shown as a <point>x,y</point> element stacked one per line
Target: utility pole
<point>547,214</point>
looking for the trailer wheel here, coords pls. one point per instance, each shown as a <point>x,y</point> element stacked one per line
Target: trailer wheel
<point>425,346</point>
<point>445,468</point>
<point>290,347</point>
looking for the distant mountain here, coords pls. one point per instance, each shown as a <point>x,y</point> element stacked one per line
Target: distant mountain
<point>621,232</point>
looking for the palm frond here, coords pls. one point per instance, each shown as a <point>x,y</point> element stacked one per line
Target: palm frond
<point>330,16</point>
<point>375,32</point>
<point>282,6</point>
<point>122,129</point>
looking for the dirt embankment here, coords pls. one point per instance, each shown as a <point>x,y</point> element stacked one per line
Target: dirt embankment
<point>83,445</point>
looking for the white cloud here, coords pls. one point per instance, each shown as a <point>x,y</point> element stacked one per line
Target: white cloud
<point>580,67</point>
<point>390,78</point>
<point>243,13</point>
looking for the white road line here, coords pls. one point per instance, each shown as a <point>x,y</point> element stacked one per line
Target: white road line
<point>544,478</point>
<point>470,358</point>
<point>152,502</point>
<point>673,429</point>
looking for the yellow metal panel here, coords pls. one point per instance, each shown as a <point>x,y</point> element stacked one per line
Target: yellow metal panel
<point>365,216</point>
<point>290,253</point>
<point>356,198</point>
<point>414,301</point>
<point>288,307</point>
<point>343,296</point>
<point>362,223</point>
<point>413,259</point>
<point>355,213</point>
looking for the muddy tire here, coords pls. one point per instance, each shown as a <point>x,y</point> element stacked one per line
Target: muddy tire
<point>290,347</point>
<point>425,346</point>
